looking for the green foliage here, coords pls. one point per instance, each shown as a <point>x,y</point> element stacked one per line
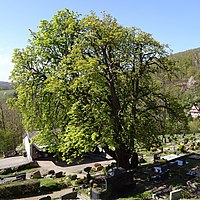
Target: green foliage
<point>47,184</point>
<point>30,187</point>
<point>181,148</point>
<point>194,126</point>
<point>187,81</point>
<point>5,85</point>
<point>11,128</point>
<point>5,94</point>
<point>142,196</point>
<point>8,190</point>
<point>84,82</point>
<point>20,148</point>
<point>186,140</point>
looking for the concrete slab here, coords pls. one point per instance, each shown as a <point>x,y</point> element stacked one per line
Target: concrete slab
<point>171,156</point>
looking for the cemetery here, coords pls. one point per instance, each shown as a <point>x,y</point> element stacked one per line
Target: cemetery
<point>88,85</point>
<point>168,172</point>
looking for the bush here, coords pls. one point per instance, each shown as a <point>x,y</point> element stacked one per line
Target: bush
<point>186,140</point>
<point>153,149</point>
<point>72,177</point>
<point>20,188</point>
<point>78,182</point>
<point>20,148</point>
<point>181,148</point>
<point>194,126</point>
<point>146,195</point>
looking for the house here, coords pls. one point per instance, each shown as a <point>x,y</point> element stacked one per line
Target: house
<point>195,111</point>
<point>33,151</point>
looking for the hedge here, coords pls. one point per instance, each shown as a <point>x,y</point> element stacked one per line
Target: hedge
<point>19,188</point>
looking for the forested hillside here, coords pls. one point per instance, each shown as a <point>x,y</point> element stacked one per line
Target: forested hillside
<point>5,85</point>
<point>187,82</point>
<point>6,91</point>
<point>10,121</point>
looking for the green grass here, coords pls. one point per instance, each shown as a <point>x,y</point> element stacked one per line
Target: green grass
<point>46,182</point>
<point>142,196</point>
<point>52,184</point>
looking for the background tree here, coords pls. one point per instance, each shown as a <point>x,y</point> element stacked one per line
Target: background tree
<point>11,128</point>
<point>84,82</point>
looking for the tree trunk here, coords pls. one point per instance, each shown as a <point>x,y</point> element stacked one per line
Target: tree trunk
<point>126,160</point>
<point>134,160</point>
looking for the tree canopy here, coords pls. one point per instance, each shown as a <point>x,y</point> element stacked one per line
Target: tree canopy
<point>88,81</point>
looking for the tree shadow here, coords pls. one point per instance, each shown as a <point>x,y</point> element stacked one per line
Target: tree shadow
<point>85,159</point>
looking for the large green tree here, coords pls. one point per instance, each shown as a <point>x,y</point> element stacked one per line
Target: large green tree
<point>84,82</point>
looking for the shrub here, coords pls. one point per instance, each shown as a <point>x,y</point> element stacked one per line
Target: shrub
<point>20,148</point>
<point>146,195</point>
<point>181,148</point>
<point>20,188</point>
<point>72,177</point>
<point>153,149</point>
<point>186,140</point>
<point>194,126</point>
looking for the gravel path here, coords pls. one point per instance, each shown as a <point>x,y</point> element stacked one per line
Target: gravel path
<point>13,161</point>
<point>49,165</point>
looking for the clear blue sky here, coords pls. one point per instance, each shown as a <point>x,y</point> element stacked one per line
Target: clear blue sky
<point>172,22</point>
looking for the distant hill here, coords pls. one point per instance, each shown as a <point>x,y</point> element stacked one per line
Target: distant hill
<point>5,85</point>
<point>191,53</point>
<point>188,79</point>
<point>5,94</point>
<point>189,59</point>
<point>6,91</point>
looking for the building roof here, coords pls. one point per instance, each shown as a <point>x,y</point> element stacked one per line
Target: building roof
<point>195,111</point>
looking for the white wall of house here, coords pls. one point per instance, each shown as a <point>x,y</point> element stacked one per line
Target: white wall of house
<point>28,148</point>
<point>195,111</point>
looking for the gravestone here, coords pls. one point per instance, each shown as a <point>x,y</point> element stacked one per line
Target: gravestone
<point>52,172</point>
<point>71,195</point>
<point>114,183</point>
<point>45,198</point>
<point>36,174</point>
<point>21,176</point>
<point>59,174</point>
<point>176,194</point>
